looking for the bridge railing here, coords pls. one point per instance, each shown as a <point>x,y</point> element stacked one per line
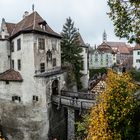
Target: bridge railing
<point>76,103</point>
<point>78,95</point>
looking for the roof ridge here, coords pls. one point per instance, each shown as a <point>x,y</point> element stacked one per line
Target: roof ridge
<point>34,20</point>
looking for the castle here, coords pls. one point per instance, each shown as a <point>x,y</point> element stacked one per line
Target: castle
<point>30,73</point>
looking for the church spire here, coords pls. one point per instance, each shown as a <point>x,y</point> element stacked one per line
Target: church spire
<point>104,36</point>
<point>33,7</point>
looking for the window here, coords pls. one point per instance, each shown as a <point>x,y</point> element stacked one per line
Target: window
<point>54,62</point>
<point>54,43</point>
<point>49,56</point>
<point>138,53</point>
<point>96,59</point>
<point>12,47</point>
<point>42,26</point>
<point>35,98</point>
<point>19,44</point>
<point>19,64</point>
<point>42,67</point>
<point>41,43</point>
<point>7,82</point>
<point>137,60</point>
<point>12,64</point>
<point>101,55</point>
<point>16,98</point>
<point>96,55</point>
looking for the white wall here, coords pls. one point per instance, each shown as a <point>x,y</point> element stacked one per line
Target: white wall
<point>136,57</point>
<point>104,56</point>
<point>30,60</point>
<point>85,71</point>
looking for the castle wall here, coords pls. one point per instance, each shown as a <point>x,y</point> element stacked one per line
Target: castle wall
<point>24,122</point>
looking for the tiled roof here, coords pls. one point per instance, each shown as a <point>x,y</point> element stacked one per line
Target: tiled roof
<point>11,75</point>
<point>105,48</point>
<point>137,47</point>
<point>81,41</point>
<point>121,46</point>
<point>30,23</point>
<point>10,27</point>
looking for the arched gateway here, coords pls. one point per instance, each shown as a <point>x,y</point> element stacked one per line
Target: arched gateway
<point>55,87</point>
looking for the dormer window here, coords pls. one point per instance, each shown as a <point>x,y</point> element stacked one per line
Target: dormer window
<point>43,25</point>
<point>41,43</point>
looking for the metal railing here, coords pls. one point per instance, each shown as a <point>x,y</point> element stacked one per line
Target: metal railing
<point>78,95</point>
<point>76,103</point>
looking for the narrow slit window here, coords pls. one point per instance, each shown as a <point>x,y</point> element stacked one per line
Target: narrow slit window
<point>19,64</point>
<point>42,67</point>
<point>19,44</point>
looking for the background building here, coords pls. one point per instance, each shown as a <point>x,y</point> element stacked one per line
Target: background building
<point>122,54</point>
<point>136,57</point>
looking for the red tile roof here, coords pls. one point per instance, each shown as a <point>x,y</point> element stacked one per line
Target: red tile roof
<point>10,27</point>
<point>105,47</point>
<point>137,47</point>
<point>30,23</point>
<point>11,75</point>
<point>122,47</point>
<point>81,41</point>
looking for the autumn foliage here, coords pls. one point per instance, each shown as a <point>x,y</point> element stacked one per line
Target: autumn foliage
<point>111,117</point>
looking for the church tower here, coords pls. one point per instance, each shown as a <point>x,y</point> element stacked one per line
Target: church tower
<point>104,36</point>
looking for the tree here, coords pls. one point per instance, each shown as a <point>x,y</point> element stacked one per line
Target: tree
<point>135,74</point>
<point>112,117</point>
<point>71,50</point>
<point>125,15</point>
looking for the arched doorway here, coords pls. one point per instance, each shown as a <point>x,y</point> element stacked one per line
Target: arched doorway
<point>55,87</point>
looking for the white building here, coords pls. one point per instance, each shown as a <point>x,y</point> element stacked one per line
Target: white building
<point>30,67</point>
<point>136,57</point>
<point>85,71</point>
<point>119,53</point>
<point>103,56</point>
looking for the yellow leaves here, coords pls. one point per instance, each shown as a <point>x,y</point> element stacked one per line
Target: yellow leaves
<point>113,107</point>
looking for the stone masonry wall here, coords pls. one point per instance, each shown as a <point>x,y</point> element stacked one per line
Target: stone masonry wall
<point>22,122</point>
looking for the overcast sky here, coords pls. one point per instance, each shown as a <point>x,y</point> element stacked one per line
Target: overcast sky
<point>89,15</point>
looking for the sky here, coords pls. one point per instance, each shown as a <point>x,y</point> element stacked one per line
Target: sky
<point>89,16</point>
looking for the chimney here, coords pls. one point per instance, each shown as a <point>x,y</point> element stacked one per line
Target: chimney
<point>26,13</point>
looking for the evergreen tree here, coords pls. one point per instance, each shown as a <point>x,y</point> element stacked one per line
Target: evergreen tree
<point>71,50</point>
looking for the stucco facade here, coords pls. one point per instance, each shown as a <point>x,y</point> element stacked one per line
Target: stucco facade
<point>136,57</point>
<point>34,55</point>
<point>103,56</point>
